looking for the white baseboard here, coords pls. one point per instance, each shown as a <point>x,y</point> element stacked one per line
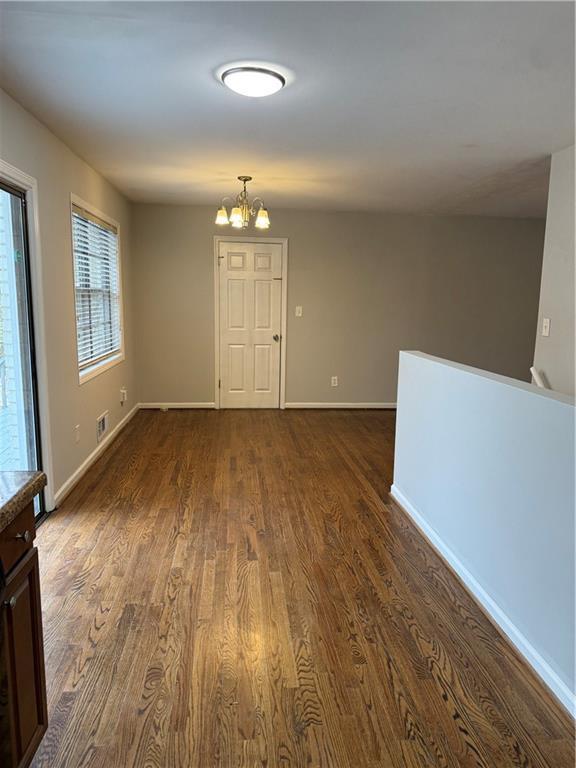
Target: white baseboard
<point>538,664</point>
<point>341,405</point>
<point>69,484</point>
<point>287,405</point>
<point>177,405</point>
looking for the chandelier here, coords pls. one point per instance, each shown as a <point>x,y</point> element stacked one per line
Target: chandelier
<point>242,210</point>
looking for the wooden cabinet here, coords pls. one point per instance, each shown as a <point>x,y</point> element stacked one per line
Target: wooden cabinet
<point>23,712</point>
<point>17,538</point>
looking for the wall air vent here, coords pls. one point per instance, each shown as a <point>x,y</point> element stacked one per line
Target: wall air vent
<point>101,426</point>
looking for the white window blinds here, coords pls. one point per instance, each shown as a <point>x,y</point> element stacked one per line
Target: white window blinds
<point>97,288</point>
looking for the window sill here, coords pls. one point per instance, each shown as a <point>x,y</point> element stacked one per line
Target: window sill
<point>104,365</point>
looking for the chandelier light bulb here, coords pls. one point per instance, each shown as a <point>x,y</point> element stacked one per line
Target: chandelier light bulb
<point>262,219</point>
<point>221,217</point>
<point>236,216</point>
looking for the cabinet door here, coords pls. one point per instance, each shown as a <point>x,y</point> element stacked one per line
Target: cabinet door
<point>24,659</point>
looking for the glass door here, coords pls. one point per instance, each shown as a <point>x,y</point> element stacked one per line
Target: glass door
<point>19,436</point>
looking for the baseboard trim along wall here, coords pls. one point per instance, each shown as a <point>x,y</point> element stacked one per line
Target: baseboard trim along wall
<point>166,406</point>
<point>342,405</point>
<point>75,478</point>
<point>538,664</point>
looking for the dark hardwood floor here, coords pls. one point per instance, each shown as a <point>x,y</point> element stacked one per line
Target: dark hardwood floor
<point>232,589</point>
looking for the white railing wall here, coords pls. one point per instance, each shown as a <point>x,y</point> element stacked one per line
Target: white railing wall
<point>485,466</point>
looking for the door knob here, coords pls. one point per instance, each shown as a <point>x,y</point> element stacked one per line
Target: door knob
<point>276,337</point>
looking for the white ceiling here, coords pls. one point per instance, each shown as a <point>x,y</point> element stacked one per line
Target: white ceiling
<point>404,107</point>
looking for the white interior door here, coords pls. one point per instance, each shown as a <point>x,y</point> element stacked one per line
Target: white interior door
<point>250,277</point>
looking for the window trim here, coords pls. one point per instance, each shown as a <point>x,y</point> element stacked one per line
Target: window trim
<point>100,366</point>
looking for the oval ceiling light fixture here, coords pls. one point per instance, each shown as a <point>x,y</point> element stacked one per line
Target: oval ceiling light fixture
<point>252,80</point>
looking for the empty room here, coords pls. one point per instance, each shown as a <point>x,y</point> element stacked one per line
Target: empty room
<point>287,363</point>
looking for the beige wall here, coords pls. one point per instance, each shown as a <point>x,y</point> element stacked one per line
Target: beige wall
<point>458,287</point>
<point>554,355</point>
<point>28,145</point>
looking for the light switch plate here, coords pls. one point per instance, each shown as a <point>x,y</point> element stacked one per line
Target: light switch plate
<point>298,311</point>
<point>545,326</point>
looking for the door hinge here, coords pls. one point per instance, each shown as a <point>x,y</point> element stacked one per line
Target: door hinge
<point>219,383</point>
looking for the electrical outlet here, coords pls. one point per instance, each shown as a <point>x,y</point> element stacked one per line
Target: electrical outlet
<point>545,326</point>
<point>298,312</point>
<point>77,433</point>
<point>334,381</point>
<point>123,395</point>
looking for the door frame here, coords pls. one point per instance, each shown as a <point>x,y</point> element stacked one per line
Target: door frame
<point>29,186</point>
<point>283,241</point>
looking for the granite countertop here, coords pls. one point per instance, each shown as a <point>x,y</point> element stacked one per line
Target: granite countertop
<point>16,490</point>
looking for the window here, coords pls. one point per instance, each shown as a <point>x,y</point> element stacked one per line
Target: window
<point>98,292</point>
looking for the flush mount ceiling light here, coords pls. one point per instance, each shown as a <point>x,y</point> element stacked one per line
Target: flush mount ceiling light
<point>253,81</point>
<point>242,210</point>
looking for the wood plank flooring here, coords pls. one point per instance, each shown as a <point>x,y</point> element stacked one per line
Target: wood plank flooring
<point>233,589</point>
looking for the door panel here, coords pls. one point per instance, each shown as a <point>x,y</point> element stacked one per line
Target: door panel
<point>263,320</point>
<point>262,367</point>
<point>262,262</point>
<point>250,317</point>
<point>236,305</point>
<point>236,261</point>
<point>24,658</point>
<point>237,367</point>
